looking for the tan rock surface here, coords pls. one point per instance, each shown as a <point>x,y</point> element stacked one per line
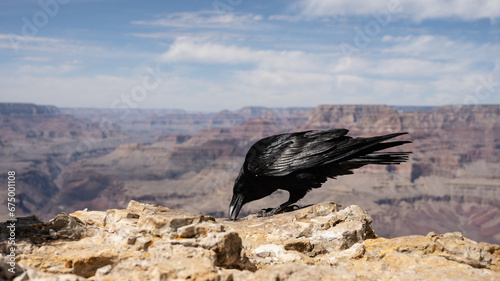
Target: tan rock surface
<point>319,242</point>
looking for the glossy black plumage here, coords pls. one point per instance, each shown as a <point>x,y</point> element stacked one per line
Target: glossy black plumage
<point>298,162</point>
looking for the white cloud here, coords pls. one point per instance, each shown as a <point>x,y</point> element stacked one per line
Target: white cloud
<point>48,70</point>
<point>438,48</point>
<point>411,57</point>
<point>204,19</point>
<point>412,70</point>
<point>283,79</point>
<point>189,50</point>
<point>276,77</point>
<point>21,38</point>
<point>19,44</point>
<point>414,10</point>
<point>419,70</point>
<point>186,49</point>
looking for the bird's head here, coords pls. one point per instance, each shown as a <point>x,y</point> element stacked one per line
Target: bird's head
<point>240,198</point>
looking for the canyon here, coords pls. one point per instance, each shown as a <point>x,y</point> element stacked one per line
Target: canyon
<point>69,159</point>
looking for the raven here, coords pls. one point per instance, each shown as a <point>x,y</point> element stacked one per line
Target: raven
<point>298,162</point>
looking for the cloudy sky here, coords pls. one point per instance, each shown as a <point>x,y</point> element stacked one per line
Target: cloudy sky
<point>225,54</point>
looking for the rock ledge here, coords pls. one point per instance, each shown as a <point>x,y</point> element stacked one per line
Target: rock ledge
<point>319,242</point>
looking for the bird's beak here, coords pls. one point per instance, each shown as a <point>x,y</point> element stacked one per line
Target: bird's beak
<point>235,206</point>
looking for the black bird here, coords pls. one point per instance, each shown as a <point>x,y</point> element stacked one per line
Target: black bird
<point>298,162</point>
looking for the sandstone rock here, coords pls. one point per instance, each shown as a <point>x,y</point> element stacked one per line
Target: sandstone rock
<point>458,248</point>
<point>319,242</point>
<point>25,273</point>
<point>90,217</point>
<point>316,230</point>
<point>127,239</point>
<point>65,226</point>
<point>147,209</point>
<point>298,272</point>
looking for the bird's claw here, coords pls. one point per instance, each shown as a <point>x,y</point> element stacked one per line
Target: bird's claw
<point>266,212</point>
<point>272,211</point>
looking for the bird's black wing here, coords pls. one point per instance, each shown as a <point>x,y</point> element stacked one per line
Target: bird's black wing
<point>281,155</point>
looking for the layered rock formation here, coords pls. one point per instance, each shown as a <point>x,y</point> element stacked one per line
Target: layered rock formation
<point>30,122</point>
<point>28,109</point>
<point>189,161</point>
<point>39,142</point>
<point>148,124</point>
<point>319,242</point>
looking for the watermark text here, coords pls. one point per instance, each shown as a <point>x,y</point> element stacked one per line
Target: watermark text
<point>11,222</point>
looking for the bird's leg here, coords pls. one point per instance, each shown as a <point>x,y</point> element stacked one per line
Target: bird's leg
<point>294,197</point>
<point>272,211</point>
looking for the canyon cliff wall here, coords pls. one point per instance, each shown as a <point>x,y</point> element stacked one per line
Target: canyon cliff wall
<point>451,183</point>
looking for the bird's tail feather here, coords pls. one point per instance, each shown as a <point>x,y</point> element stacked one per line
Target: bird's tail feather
<point>370,155</point>
<point>370,146</point>
<point>365,154</point>
<point>385,158</point>
<point>381,158</point>
<point>386,145</point>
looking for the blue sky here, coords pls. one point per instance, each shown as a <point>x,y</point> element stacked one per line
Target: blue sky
<point>226,54</point>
